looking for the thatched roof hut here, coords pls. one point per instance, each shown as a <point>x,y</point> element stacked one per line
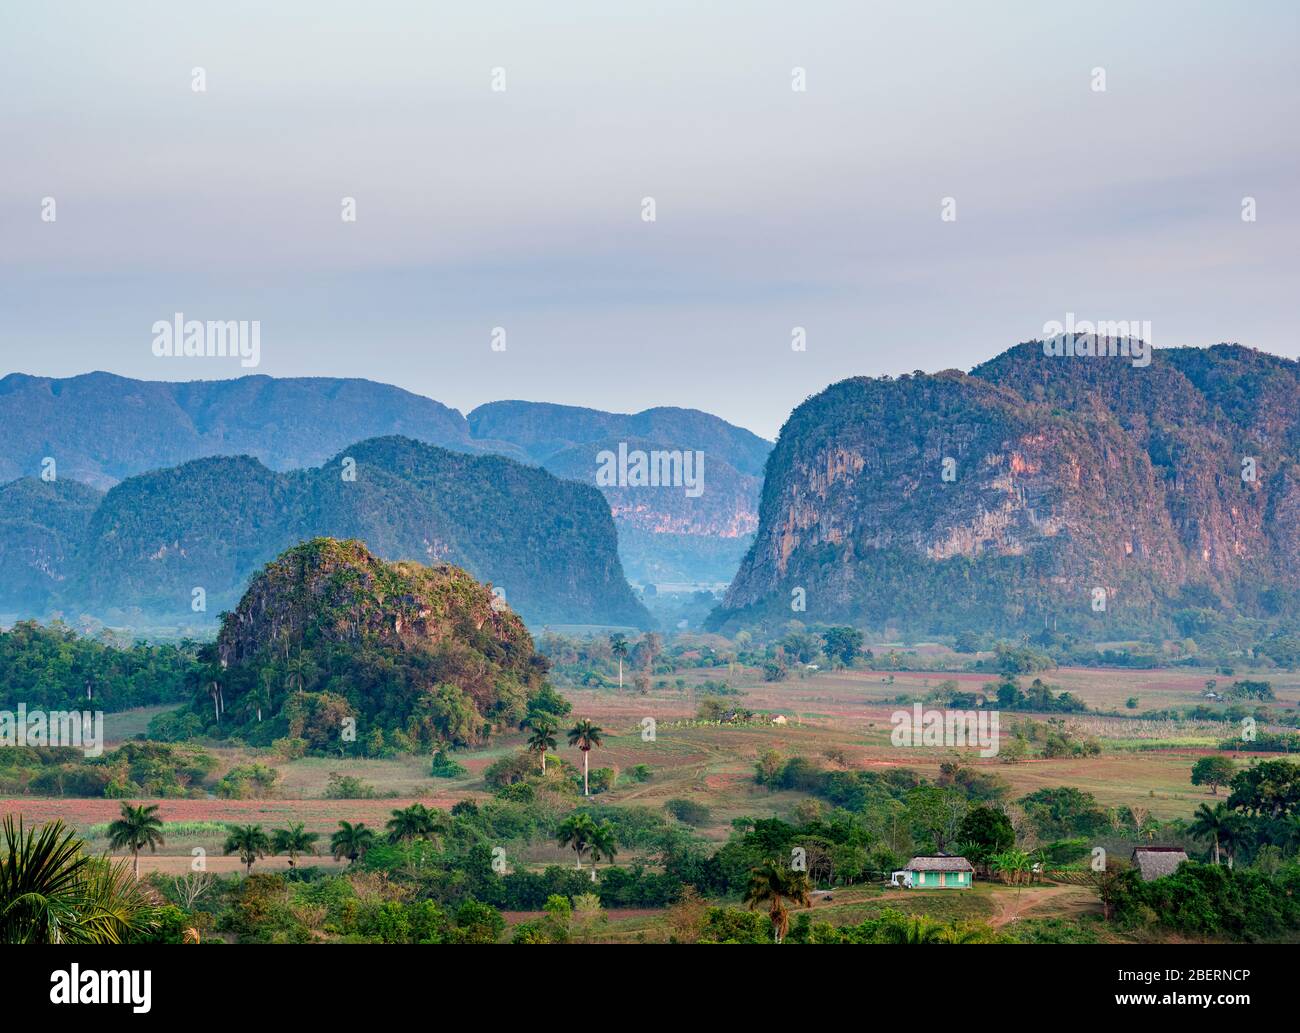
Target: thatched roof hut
<point>1155,862</point>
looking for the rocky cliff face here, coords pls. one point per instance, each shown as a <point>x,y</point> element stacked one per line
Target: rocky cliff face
<point>1084,492</point>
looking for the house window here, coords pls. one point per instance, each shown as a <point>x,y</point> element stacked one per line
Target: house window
<point>943,878</point>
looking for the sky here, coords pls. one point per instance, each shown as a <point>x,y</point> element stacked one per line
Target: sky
<point>522,208</point>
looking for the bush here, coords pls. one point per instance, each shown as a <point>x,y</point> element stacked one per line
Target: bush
<point>444,767</point>
<point>348,787</point>
<point>688,811</point>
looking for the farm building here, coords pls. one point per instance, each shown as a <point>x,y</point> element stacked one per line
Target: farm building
<point>935,872</point>
<point>1153,862</point>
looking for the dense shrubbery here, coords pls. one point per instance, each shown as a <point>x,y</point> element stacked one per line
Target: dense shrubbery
<point>134,769</point>
<point>1214,901</point>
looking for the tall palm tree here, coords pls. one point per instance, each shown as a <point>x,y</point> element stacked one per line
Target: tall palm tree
<point>584,735</point>
<point>351,841</point>
<point>1236,833</point>
<point>774,884</point>
<point>576,831</point>
<point>603,844</point>
<point>542,739</point>
<point>138,827</point>
<point>51,891</point>
<point>414,822</point>
<point>1211,823</point>
<point>293,841</point>
<point>258,697</point>
<point>618,646</point>
<point>298,671</point>
<point>250,842</point>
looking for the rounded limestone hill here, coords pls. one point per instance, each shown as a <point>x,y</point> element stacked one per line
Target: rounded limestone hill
<point>352,654</point>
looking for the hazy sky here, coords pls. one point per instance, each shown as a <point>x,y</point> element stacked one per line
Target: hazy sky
<point>522,208</point>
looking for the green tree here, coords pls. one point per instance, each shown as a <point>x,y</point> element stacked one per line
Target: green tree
<point>293,842</point>
<point>298,672</point>
<point>985,832</point>
<point>1211,824</point>
<point>1270,789</point>
<point>248,841</point>
<point>618,646</point>
<point>603,845</point>
<point>414,822</point>
<point>774,884</point>
<point>576,832</point>
<point>1016,865</point>
<point>137,828</point>
<point>541,739</point>
<point>51,891</point>
<point>585,735</point>
<point>258,698</point>
<point>1213,771</point>
<point>842,644</point>
<point>351,841</point>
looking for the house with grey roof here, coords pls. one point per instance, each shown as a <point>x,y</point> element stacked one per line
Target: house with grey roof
<point>1155,862</point>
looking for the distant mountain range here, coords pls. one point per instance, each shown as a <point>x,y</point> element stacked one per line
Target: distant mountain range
<point>144,547</point>
<point>100,428</point>
<point>1037,491</point>
<point>665,535</point>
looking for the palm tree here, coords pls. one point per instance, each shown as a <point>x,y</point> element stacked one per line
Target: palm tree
<point>618,646</point>
<point>298,670</point>
<point>1211,823</point>
<point>1236,833</point>
<point>914,929</point>
<point>293,841</point>
<point>584,735</point>
<point>1015,863</point>
<point>351,841</point>
<point>577,831</point>
<point>258,697</point>
<point>138,827</point>
<point>414,822</point>
<point>966,932</point>
<point>774,884</point>
<point>603,844</point>
<point>542,739</point>
<point>250,842</point>
<point>51,891</point>
<point>1291,833</point>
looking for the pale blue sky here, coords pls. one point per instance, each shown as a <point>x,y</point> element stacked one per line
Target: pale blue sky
<point>522,209</point>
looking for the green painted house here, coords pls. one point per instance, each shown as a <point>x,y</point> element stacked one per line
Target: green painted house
<point>935,872</point>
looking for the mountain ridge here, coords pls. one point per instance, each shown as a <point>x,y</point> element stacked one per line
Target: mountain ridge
<point>1084,492</point>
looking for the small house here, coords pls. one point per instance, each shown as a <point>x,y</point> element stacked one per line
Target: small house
<point>938,871</point>
<point>780,719</point>
<point>1155,862</point>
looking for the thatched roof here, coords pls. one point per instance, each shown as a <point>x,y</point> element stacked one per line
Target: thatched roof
<point>1154,862</point>
<point>941,863</point>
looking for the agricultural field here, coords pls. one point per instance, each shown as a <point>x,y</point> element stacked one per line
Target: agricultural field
<point>838,719</point>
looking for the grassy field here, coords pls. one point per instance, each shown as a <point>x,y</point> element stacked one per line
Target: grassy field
<point>1144,764</point>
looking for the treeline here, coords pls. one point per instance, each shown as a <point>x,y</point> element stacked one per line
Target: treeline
<point>155,770</point>
<point>51,667</point>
